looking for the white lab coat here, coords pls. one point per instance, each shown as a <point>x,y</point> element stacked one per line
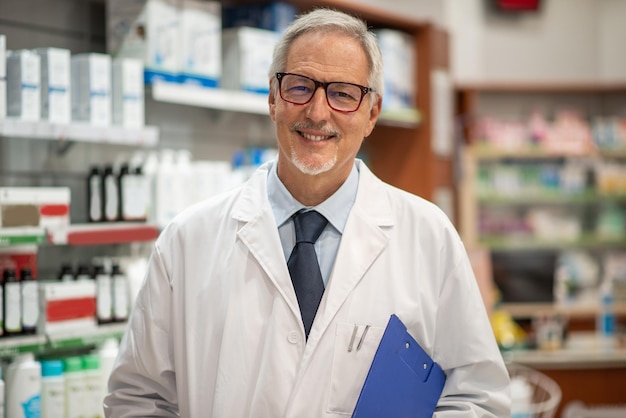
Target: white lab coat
<point>216,329</point>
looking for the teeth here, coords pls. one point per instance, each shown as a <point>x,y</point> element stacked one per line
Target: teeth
<point>314,137</point>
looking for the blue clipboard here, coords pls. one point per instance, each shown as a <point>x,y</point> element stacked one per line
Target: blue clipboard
<point>403,380</point>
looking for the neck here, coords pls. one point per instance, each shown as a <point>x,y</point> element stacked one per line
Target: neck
<point>311,190</point>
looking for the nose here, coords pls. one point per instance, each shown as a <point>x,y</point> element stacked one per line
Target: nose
<point>318,109</point>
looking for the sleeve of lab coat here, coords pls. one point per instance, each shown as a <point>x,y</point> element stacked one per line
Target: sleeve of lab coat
<point>477,382</point>
<point>142,382</point>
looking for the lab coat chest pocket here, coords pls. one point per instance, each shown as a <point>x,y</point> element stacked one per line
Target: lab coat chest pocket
<point>352,356</point>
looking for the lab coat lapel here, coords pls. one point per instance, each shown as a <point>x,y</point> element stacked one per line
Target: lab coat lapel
<point>363,240</point>
<point>259,234</point>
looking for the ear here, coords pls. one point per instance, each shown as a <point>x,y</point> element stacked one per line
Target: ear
<point>373,115</point>
<point>271,100</point>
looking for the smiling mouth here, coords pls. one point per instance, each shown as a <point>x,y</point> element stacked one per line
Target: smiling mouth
<point>315,138</point>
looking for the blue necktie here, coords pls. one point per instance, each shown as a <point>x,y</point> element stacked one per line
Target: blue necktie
<point>303,266</point>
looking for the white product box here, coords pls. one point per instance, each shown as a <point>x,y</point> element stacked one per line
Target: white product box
<point>201,42</point>
<point>399,59</point>
<point>147,30</point>
<point>3,75</point>
<point>128,93</point>
<point>67,307</point>
<point>23,96</point>
<point>247,56</point>
<point>55,84</point>
<point>91,88</point>
<point>44,207</point>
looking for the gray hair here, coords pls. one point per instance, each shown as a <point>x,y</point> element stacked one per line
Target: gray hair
<point>326,21</point>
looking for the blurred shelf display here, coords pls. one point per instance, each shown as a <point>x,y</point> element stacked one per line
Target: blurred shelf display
<point>80,132</point>
<point>247,102</point>
<point>11,346</point>
<point>534,309</point>
<point>80,234</point>
<point>22,236</point>
<point>103,233</point>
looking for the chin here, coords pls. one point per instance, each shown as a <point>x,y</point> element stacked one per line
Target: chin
<point>314,168</point>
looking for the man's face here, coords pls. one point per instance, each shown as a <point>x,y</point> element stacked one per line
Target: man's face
<point>314,139</point>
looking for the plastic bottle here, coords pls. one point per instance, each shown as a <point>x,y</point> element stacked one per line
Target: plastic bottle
<point>2,395</point>
<point>52,389</point>
<point>30,301</point>
<point>23,396</point>
<point>82,273</point>
<point>94,195</point>
<point>111,195</point>
<point>93,386</point>
<point>103,295</point>
<point>66,274</point>
<point>121,293</point>
<point>2,304</point>
<point>74,387</point>
<point>606,315</point>
<point>107,353</point>
<point>12,303</point>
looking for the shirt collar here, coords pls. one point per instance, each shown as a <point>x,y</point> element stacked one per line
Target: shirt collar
<point>335,209</point>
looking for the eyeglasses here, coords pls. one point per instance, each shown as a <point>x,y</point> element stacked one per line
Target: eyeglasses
<point>340,96</point>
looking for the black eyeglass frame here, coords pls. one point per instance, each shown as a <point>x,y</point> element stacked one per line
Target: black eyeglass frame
<point>324,85</point>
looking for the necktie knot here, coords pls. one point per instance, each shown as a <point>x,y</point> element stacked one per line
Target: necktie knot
<point>309,225</point>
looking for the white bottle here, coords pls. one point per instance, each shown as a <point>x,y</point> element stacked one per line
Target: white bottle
<point>52,389</point>
<point>2,395</point>
<point>108,354</point>
<point>103,295</point>
<point>606,316</point>
<point>121,292</point>
<point>24,387</point>
<point>74,387</point>
<point>93,386</point>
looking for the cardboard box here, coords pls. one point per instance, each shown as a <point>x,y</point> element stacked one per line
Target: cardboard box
<point>23,89</point>
<point>43,207</point>
<point>67,307</point>
<point>247,56</point>
<point>147,30</point>
<point>128,93</point>
<point>91,88</point>
<point>55,84</point>
<point>398,50</point>
<point>201,42</point>
<point>3,76</point>
<point>270,16</point>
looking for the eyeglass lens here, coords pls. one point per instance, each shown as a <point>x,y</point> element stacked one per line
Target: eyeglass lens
<point>340,96</point>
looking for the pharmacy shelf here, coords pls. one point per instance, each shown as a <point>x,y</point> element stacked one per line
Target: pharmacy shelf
<point>488,152</point>
<point>79,339</point>
<point>21,236</point>
<point>80,234</point>
<point>228,100</point>
<point>527,310</point>
<point>103,233</point>
<point>247,102</point>
<point>518,243</point>
<point>556,198</point>
<point>79,132</point>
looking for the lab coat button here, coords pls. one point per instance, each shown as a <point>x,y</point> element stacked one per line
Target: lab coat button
<point>293,337</point>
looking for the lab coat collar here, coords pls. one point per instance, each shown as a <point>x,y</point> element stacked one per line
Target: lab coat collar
<point>364,238</point>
